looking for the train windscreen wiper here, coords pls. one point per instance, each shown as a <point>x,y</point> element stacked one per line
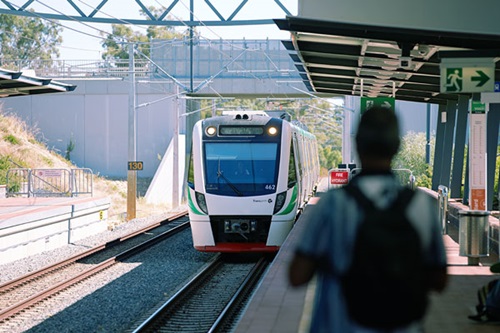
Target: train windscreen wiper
<point>220,174</point>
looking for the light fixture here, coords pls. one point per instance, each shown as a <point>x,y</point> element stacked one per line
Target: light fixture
<point>211,130</point>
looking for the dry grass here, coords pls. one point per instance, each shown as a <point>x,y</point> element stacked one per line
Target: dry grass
<point>18,145</point>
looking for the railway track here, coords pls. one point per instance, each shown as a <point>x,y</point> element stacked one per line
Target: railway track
<point>210,301</point>
<point>26,291</point>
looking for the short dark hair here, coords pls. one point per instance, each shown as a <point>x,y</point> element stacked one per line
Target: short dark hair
<point>378,133</point>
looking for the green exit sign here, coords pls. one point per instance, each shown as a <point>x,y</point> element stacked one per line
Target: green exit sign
<point>384,102</point>
<point>478,107</point>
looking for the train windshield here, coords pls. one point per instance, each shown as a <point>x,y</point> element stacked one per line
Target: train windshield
<point>241,168</point>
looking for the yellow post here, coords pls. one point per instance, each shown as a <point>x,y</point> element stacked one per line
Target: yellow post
<point>131,194</point>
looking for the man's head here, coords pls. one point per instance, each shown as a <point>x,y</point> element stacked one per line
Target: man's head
<point>377,137</point>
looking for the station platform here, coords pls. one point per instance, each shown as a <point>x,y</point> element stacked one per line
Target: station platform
<point>36,224</point>
<point>277,307</point>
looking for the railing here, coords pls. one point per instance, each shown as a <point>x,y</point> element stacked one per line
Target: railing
<point>254,59</point>
<point>405,176</point>
<point>49,182</point>
<point>443,208</point>
<point>80,68</point>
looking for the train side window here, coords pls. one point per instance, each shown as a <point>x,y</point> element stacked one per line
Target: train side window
<point>298,153</point>
<point>292,174</point>
<point>190,177</point>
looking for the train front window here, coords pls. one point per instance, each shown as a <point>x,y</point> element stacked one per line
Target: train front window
<point>241,168</point>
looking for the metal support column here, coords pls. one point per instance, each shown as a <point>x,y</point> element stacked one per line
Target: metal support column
<point>131,174</point>
<point>438,149</point>
<point>444,145</point>
<point>459,150</point>
<point>428,135</point>
<point>175,166</point>
<point>191,107</point>
<point>492,123</point>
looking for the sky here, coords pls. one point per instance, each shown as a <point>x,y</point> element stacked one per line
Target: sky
<point>82,40</point>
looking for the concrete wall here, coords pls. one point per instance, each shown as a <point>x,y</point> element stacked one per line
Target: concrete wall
<point>51,224</point>
<point>95,118</point>
<point>447,15</point>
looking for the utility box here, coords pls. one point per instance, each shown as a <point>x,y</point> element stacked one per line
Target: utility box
<point>474,234</point>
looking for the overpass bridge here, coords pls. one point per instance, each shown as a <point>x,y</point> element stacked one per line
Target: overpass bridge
<point>336,49</point>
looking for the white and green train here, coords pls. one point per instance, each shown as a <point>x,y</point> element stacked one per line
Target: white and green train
<point>249,176</point>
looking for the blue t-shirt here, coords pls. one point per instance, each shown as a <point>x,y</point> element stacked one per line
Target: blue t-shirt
<point>329,229</point>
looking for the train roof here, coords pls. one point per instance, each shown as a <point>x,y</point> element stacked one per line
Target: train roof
<point>241,117</point>
<point>267,113</point>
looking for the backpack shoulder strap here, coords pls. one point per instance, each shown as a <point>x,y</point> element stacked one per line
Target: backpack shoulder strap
<point>404,197</point>
<point>356,193</point>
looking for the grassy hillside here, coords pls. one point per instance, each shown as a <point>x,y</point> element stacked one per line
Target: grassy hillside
<point>20,149</point>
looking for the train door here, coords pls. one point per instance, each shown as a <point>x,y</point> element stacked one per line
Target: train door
<point>298,167</point>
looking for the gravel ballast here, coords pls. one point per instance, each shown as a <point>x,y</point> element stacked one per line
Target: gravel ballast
<point>113,303</point>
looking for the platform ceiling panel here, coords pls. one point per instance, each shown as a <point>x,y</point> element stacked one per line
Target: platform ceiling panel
<point>441,15</point>
<point>369,60</point>
<point>14,83</point>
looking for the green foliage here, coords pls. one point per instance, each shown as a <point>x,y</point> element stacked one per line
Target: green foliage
<point>319,116</point>
<point>495,186</point>
<point>325,121</point>
<point>329,157</point>
<point>4,166</point>
<point>11,139</point>
<point>412,156</point>
<point>114,43</point>
<point>69,148</point>
<point>24,39</point>
<point>49,162</point>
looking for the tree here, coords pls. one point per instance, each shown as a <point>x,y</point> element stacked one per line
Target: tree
<point>24,39</point>
<point>114,43</point>
<point>412,156</point>
<point>320,117</point>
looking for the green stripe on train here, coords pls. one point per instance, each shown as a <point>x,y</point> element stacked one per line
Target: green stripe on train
<point>192,206</point>
<point>292,203</point>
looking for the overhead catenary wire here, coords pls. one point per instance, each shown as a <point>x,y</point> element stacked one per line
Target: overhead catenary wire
<point>184,40</point>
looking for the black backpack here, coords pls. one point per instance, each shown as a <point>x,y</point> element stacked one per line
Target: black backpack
<point>385,286</point>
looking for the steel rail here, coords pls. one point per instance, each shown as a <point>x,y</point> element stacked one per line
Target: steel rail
<point>28,302</point>
<point>243,291</point>
<point>153,321</point>
<point>45,270</point>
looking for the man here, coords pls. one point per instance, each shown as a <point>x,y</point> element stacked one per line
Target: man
<point>327,243</point>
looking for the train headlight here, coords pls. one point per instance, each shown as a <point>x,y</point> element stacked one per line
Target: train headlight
<point>272,130</point>
<point>211,130</point>
<point>200,200</point>
<point>280,201</point>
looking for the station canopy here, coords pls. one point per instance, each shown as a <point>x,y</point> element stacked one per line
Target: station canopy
<point>347,59</point>
<point>13,83</point>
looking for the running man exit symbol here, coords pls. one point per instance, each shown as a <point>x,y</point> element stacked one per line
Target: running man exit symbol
<point>454,79</point>
<point>467,75</point>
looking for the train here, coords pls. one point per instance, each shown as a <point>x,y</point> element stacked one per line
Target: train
<point>250,174</point>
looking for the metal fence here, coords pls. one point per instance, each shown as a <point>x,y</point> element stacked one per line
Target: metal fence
<point>405,176</point>
<point>49,182</point>
<point>79,68</point>
<point>251,59</point>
